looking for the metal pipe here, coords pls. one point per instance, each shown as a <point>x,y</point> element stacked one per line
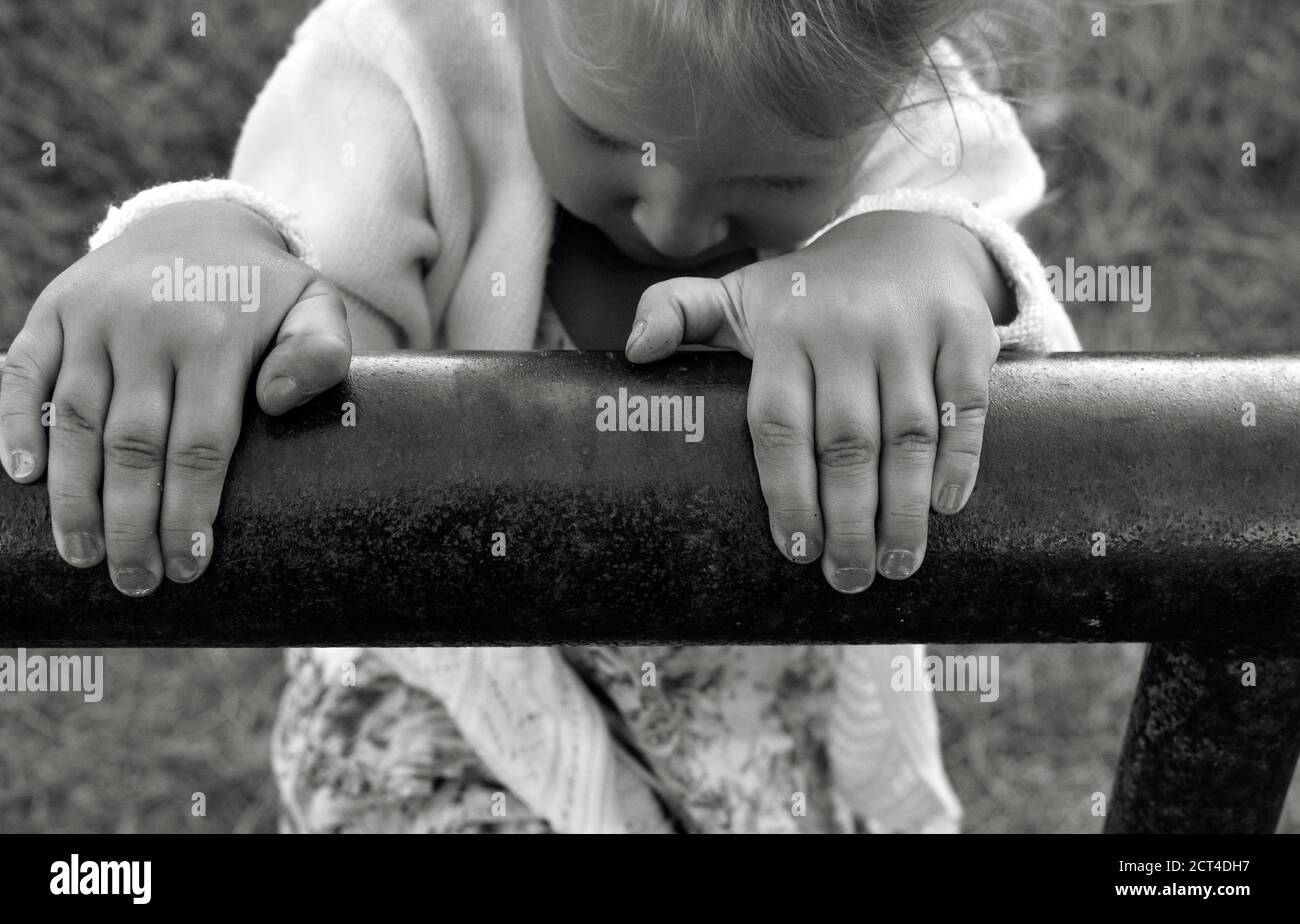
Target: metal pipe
<point>1212,742</point>
<point>383,533</point>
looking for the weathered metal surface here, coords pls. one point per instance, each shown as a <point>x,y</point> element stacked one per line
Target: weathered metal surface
<point>1211,744</point>
<point>382,533</point>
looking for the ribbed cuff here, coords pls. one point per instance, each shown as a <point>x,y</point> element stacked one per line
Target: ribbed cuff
<point>121,217</point>
<point>1022,270</point>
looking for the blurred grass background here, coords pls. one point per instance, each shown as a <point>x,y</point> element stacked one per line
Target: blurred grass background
<point>1140,130</point>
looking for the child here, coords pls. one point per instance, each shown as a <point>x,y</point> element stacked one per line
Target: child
<point>828,191</point>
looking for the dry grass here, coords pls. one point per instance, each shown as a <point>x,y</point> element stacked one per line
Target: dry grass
<point>1141,132</point>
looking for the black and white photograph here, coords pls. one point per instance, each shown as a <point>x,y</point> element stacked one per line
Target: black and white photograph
<point>650,417</point>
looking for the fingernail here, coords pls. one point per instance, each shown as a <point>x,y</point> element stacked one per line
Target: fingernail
<point>950,498</point>
<point>637,331</point>
<point>81,549</point>
<point>284,390</point>
<point>182,569</point>
<point>852,580</point>
<point>22,463</point>
<point>897,564</point>
<point>134,582</point>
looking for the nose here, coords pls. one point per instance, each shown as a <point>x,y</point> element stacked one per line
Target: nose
<point>670,217</point>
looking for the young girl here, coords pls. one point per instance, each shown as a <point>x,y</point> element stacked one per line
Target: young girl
<point>827,190</point>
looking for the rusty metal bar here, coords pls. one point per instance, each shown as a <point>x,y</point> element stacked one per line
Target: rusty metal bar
<point>383,532</point>
<point>1212,742</point>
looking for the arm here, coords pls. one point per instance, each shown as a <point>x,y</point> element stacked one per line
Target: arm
<point>333,139</point>
<point>148,395</point>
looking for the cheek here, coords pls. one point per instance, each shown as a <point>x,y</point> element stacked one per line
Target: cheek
<point>780,224</point>
<point>574,188</point>
<point>574,175</point>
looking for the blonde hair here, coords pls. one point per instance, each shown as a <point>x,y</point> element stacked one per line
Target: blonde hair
<point>818,68</point>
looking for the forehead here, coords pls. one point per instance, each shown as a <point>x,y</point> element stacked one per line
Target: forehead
<point>618,70</point>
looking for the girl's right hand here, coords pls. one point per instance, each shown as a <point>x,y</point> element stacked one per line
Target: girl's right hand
<point>143,396</point>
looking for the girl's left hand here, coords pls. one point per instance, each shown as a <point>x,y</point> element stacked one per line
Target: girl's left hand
<point>872,349</point>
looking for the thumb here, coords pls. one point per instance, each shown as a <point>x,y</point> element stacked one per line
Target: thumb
<point>312,351</point>
<point>688,310</point>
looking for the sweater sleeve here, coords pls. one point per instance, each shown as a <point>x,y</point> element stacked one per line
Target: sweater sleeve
<point>958,151</point>
<point>329,155</point>
<point>332,139</point>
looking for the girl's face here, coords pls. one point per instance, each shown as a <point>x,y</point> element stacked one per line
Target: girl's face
<point>714,184</point>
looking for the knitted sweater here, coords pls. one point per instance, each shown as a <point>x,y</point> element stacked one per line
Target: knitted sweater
<point>389,147</point>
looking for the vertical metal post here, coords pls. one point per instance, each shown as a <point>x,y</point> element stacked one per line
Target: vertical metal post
<point>1212,741</point>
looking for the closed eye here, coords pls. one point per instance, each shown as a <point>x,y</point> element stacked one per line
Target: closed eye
<point>605,142</point>
<point>781,184</point>
<point>601,140</point>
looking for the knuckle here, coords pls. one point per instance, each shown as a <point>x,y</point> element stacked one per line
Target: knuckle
<point>852,533</point>
<point>852,536</point>
<point>16,415</point>
<point>178,539</point>
<point>968,449</point>
<point>133,451</point>
<point>794,513</point>
<point>73,418</point>
<point>19,368</point>
<point>200,457</point>
<point>775,435</point>
<point>71,497</point>
<point>847,452</point>
<point>913,436</point>
<point>178,526</point>
<point>125,532</point>
<point>906,520</point>
<point>968,407</point>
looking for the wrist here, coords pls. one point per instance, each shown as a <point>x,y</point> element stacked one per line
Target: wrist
<point>218,216</point>
<point>192,192</point>
<point>988,275</point>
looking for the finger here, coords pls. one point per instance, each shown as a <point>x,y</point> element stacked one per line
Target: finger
<point>848,440</point>
<point>30,370</point>
<point>76,468</point>
<point>312,352</point>
<point>961,384</point>
<point>135,447</point>
<point>780,411</point>
<point>909,437</point>
<point>205,424</point>
<point>684,310</point>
